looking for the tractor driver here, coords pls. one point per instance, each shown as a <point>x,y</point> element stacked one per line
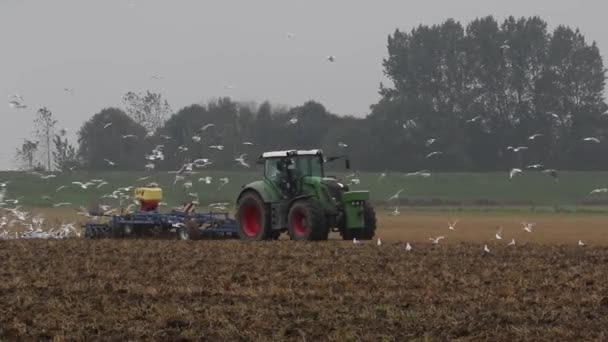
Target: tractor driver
<point>287,176</point>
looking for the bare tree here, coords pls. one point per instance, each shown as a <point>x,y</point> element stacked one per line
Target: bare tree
<point>45,131</point>
<point>147,109</point>
<point>26,154</point>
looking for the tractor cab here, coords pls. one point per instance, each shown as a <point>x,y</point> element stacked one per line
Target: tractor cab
<point>296,197</point>
<point>288,169</point>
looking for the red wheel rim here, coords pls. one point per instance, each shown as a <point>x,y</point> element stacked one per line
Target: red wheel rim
<point>298,222</point>
<point>250,220</point>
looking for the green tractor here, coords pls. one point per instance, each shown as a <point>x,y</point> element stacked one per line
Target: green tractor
<point>296,197</point>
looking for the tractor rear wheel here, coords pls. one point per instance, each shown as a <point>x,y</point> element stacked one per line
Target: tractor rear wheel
<point>306,221</point>
<point>369,229</point>
<point>252,217</point>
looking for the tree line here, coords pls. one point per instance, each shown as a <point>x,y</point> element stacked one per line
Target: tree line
<point>462,98</point>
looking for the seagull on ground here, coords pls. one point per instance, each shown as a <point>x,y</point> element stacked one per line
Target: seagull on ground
<point>486,249</point>
<point>379,242</point>
<point>581,243</point>
<point>528,226</point>
<point>499,234</point>
<point>355,241</point>
<point>512,243</point>
<point>408,247</point>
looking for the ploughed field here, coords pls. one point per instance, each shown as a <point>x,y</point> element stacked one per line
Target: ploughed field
<point>335,290</point>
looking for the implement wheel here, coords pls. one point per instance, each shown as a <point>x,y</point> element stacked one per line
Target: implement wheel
<point>252,217</point>
<point>189,231</point>
<point>306,221</point>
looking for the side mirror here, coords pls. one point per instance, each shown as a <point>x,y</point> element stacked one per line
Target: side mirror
<point>347,162</point>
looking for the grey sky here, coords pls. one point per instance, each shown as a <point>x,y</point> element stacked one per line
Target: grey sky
<point>104,48</point>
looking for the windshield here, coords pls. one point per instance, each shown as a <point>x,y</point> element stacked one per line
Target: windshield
<point>309,166</point>
<point>304,166</point>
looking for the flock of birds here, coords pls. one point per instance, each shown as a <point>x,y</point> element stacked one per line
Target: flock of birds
<point>32,225</point>
<point>526,226</point>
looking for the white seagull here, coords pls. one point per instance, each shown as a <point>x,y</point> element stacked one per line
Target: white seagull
<point>517,149</point>
<point>408,247</point>
<point>452,224</point>
<point>437,239</point>
<point>528,226</point>
<point>396,196</point>
<point>597,191</point>
<point>499,234</point>
<point>514,172</point>
<point>512,243</point>
<point>433,154</point>
<point>592,139</point>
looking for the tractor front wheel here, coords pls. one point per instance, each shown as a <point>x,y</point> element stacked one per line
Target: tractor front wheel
<point>252,217</point>
<point>368,231</point>
<point>306,221</point>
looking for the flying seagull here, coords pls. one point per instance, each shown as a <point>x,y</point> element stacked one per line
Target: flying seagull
<point>534,136</point>
<point>517,149</point>
<point>437,239</point>
<point>241,160</point>
<point>597,191</point>
<point>514,172</point>
<point>433,154</point>
<point>452,224</point>
<point>396,196</point>
<point>592,139</point>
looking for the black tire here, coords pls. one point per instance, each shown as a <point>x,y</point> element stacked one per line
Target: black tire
<point>368,231</point>
<point>306,221</point>
<point>252,217</point>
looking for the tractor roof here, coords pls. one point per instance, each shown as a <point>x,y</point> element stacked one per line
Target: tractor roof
<point>279,154</point>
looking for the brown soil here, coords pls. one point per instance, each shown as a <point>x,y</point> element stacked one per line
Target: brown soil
<point>544,288</point>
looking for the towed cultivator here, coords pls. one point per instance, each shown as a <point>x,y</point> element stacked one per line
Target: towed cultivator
<point>185,224</point>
